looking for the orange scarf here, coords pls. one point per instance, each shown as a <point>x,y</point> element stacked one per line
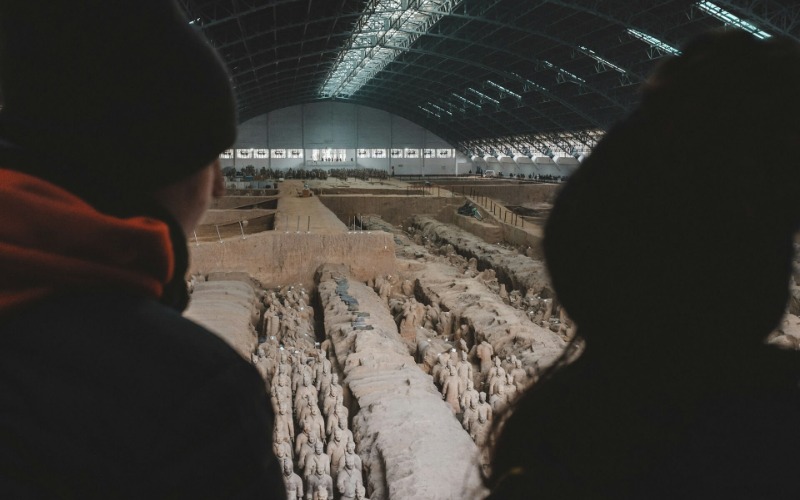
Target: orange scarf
<point>52,241</point>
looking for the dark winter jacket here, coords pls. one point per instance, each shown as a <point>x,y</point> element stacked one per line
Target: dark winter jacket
<point>105,392</point>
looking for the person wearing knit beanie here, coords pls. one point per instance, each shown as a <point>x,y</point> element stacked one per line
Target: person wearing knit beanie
<point>106,96</point>
<point>671,249</point>
<point>114,115</point>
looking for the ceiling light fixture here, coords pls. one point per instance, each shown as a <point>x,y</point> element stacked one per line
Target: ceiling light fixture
<point>386,30</point>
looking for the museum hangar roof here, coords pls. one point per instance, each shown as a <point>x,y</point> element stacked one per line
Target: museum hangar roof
<point>467,70</point>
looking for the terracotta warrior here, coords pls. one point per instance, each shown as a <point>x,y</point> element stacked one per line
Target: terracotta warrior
<point>304,393</point>
<point>468,396</point>
<point>348,479</point>
<point>318,479</point>
<point>294,485</point>
<point>520,376</point>
<point>438,368</point>
<point>282,451</point>
<point>339,413</point>
<point>485,351</point>
<point>470,414</point>
<point>346,432</point>
<point>336,450</point>
<point>282,371</point>
<point>361,493</point>
<point>321,493</point>
<point>350,451</point>
<point>281,394</point>
<point>306,452</point>
<point>305,440</point>
<point>510,389</point>
<point>444,324</point>
<point>496,381</point>
<point>334,391</point>
<point>479,430</point>
<point>284,426</point>
<point>314,421</point>
<point>451,390</point>
<point>464,369</point>
<point>322,362</point>
<point>271,323</point>
<point>484,407</point>
<point>324,378</point>
<point>320,460</point>
<point>301,370</point>
<point>499,400</point>
<point>444,373</point>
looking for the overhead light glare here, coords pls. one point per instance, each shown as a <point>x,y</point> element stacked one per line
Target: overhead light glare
<point>504,90</point>
<point>589,52</point>
<point>439,108</point>
<point>654,42</point>
<point>482,95</point>
<point>466,101</point>
<point>564,74</point>
<point>529,85</point>
<point>432,113</point>
<point>387,29</point>
<point>731,19</point>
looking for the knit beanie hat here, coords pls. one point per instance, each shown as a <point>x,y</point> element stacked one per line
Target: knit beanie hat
<point>110,97</point>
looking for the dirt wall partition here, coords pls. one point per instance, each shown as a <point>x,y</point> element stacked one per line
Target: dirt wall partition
<point>227,306</point>
<point>411,443</point>
<point>212,217</point>
<point>510,193</point>
<point>393,209</point>
<point>231,201</point>
<point>517,271</point>
<point>520,237</point>
<point>492,230</point>
<point>275,258</point>
<point>506,328</point>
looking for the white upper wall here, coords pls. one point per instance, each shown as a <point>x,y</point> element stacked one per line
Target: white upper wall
<point>334,125</point>
<point>344,127</point>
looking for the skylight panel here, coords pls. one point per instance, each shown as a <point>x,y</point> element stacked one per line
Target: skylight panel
<point>386,30</point>
<point>482,95</point>
<point>589,52</point>
<point>466,101</point>
<point>504,90</point>
<point>654,42</point>
<point>529,85</point>
<point>564,74</point>
<point>439,108</point>
<point>731,19</point>
<point>423,108</point>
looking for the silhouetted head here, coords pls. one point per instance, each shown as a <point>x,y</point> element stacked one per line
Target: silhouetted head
<point>72,98</point>
<point>682,218</point>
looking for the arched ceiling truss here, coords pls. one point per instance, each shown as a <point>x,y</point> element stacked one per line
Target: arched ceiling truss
<point>490,76</point>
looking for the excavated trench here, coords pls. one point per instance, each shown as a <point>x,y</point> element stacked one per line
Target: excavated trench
<point>516,271</point>
<point>405,432</point>
<point>468,291</point>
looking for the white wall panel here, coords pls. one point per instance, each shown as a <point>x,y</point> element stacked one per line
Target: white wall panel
<point>406,134</point>
<point>338,125</point>
<point>285,128</point>
<point>329,125</point>
<point>374,128</point>
<point>253,133</point>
